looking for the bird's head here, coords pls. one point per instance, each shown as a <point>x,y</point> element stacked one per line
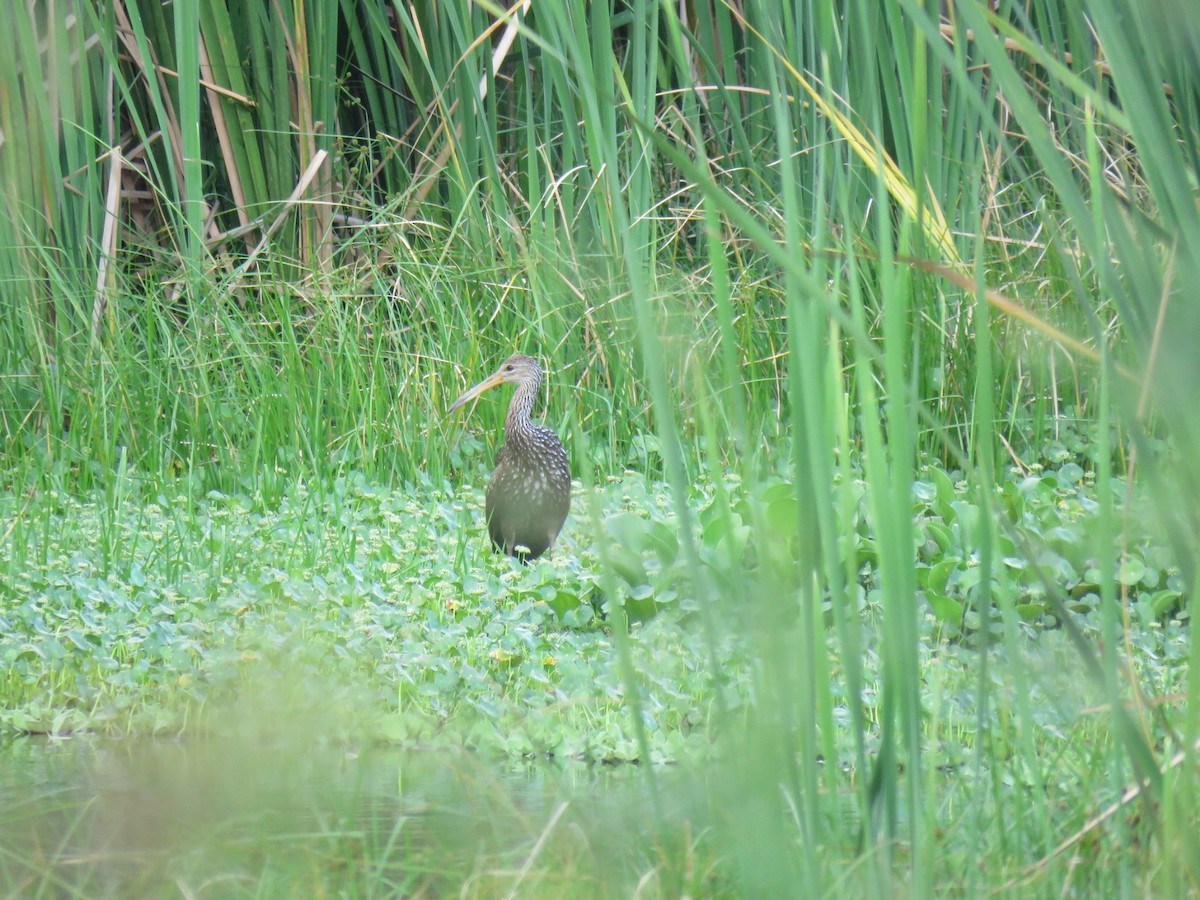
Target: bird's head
<point>517,369</point>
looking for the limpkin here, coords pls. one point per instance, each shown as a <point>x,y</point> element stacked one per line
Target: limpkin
<point>530,491</point>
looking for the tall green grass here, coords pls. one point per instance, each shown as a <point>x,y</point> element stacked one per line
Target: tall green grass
<point>812,247</point>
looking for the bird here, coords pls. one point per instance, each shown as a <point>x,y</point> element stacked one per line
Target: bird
<point>529,495</point>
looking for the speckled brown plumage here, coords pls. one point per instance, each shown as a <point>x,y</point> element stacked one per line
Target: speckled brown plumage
<point>529,495</point>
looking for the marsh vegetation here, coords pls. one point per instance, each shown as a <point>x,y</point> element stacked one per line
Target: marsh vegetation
<point>870,340</point>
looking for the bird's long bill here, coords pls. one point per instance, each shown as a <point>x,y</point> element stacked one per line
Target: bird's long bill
<point>486,385</point>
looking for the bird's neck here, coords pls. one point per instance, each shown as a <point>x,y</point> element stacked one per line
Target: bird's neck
<point>519,421</point>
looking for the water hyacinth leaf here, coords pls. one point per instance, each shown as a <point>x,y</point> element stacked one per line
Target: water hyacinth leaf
<point>1131,571</point>
<point>1071,473</point>
<point>945,608</point>
<point>942,535</point>
<point>1165,602</point>
<point>939,574</point>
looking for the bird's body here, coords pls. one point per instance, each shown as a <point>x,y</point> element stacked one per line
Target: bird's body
<point>529,495</point>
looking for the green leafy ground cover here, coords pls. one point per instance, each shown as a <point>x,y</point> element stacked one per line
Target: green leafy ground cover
<point>357,616</point>
<point>152,618</point>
